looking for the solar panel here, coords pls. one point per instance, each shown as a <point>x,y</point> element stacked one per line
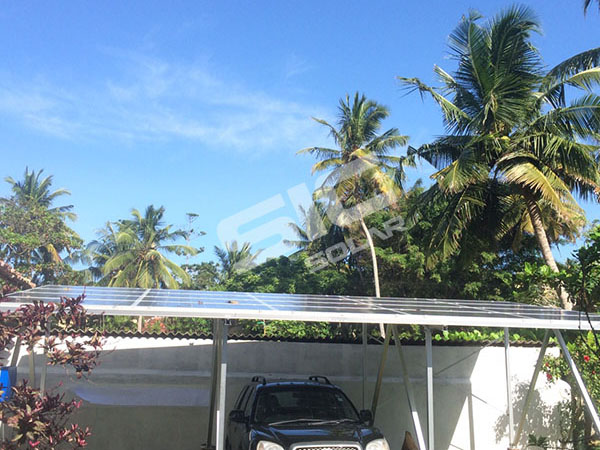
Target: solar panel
<point>307,307</point>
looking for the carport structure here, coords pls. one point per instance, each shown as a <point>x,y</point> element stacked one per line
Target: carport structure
<point>429,313</point>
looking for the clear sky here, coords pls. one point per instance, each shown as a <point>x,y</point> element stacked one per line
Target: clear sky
<point>200,106</point>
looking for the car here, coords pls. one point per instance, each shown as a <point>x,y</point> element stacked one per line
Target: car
<point>311,414</point>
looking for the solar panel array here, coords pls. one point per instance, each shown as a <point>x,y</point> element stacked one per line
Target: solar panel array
<point>304,307</point>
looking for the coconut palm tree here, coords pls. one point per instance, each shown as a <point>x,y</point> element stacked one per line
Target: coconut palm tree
<point>35,191</point>
<point>133,252</point>
<point>32,199</point>
<point>360,168</point>
<point>516,150</point>
<point>234,258</point>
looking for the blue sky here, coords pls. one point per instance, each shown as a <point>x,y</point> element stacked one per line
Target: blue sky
<point>200,106</point>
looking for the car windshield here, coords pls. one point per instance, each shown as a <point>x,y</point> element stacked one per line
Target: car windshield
<point>303,403</point>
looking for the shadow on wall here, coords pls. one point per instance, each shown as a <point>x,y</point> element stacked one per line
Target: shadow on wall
<point>543,419</point>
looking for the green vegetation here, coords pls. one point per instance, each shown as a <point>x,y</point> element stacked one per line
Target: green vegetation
<point>516,148</point>
<point>131,253</point>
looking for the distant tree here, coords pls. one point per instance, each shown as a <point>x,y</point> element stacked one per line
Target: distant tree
<point>36,192</point>
<point>204,276</point>
<point>34,237</point>
<point>234,258</point>
<point>366,155</point>
<point>131,252</point>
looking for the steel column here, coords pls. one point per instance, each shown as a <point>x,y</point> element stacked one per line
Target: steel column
<point>44,363</point>
<point>409,392</point>
<point>430,410</point>
<point>536,372</point>
<point>32,368</point>
<point>216,365</point>
<point>222,389</point>
<point>584,392</point>
<point>14,359</point>
<point>364,364</point>
<point>509,398</point>
<point>386,346</point>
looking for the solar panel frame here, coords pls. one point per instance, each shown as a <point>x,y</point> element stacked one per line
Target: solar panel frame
<point>308,307</point>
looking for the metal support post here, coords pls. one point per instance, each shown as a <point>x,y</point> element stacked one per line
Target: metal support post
<point>32,368</point>
<point>536,372</point>
<point>222,389</point>
<point>409,392</point>
<point>386,346</point>
<point>44,363</point>
<point>584,392</point>
<point>14,359</point>
<point>509,399</point>
<point>365,338</point>
<point>216,364</point>
<point>430,411</point>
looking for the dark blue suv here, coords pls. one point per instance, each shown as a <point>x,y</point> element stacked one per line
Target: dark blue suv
<point>308,414</point>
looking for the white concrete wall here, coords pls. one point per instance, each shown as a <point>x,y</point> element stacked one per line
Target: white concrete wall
<point>154,393</point>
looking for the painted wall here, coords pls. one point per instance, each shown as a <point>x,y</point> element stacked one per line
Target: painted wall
<point>154,393</point>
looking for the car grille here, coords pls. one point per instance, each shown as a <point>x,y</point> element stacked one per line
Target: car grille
<point>328,447</point>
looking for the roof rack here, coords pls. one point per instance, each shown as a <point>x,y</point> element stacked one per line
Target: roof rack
<point>319,379</point>
<point>259,379</point>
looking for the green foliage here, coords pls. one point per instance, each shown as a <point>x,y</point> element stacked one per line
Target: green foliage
<point>34,241</point>
<point>234,258</point>
<point>204,276</point>
<point>584,351</point>
<point>515,150</point>
<point>287,329</point>
<point>538,441</point>
<point>131,252</point>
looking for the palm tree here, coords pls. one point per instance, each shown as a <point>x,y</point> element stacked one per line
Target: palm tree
<point>133,252</point>
<point>516,150</point>
<point>360,167</point>
<point>313,227</point>
<point>234,258</point>
<point>35,191</point>
<point>33,198</point>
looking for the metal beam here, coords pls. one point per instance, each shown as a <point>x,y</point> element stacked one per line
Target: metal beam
<point>509,397</point>
<point>409,392</point>
<point>580,383</point>
<point>536,372</point>
<point>430,410</point>
<point>222,389</point>
<point>386,346</point>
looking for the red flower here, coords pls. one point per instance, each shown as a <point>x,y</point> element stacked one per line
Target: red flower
<point>586,358</point>
<point>549,376</point>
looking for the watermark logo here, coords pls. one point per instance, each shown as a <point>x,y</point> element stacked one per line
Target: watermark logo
<point>266,221</point>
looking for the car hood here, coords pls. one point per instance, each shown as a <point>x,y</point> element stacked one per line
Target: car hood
<point>288,434</point>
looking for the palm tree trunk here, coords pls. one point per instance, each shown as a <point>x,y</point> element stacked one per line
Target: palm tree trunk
<point>375,267</point>
<point>542,238</point>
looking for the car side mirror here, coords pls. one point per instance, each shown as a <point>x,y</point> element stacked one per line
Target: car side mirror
<point>366,416</point>
<point>237,415</point>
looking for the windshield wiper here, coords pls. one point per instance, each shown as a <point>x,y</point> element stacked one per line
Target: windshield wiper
<point>336,421</point>
<point>282,422</point>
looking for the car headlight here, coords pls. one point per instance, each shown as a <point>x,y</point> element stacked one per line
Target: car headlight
<point>266,445</point>
<point>378,444</point>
